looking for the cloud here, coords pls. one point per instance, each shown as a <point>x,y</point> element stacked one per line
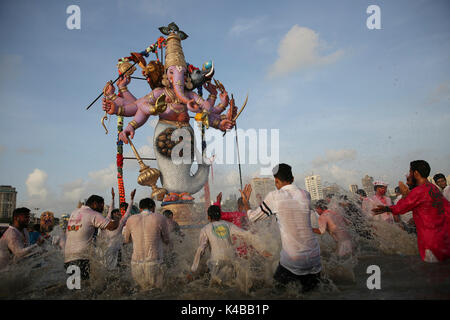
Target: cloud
<point>440,93</point>
<point>299,49</point>
<point>246,25</point>
<point>36,184</point>
<point>343,176</point>
<point>334,156</point>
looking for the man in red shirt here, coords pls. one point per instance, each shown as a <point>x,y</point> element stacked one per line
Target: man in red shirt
<point>431,213</point>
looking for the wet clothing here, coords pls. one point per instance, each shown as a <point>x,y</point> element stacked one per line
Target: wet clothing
<point>446,193</point>
<point>373,202</point>
<point>308,281</point>
<point>114,239</point>
<point>335,224</point>
<point>240,220</point>
<point>80,232</point>
<point>148,231</point>
<point>217,235</point>
<point>14,245</point>
<point>300,252</point>
<point>431,213</point>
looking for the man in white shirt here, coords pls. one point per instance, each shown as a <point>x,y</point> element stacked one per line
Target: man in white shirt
<point>80,233</point>
<point>441,182</point>
<point>300,253</point>
<point>15,242</point>
<point>148,231</point>
<point>217,235</point>
<point>114,238</point>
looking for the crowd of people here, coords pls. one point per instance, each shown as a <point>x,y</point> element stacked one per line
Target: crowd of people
<point>420,207</point>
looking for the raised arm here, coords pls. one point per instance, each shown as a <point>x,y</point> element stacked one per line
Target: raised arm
<point>111,207</point>
<point>18,248</point>
<point>146,106</point>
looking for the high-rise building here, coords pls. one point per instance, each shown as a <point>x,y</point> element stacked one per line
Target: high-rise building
<point>260,188</point>
<point>8,196</point>
<point>367,184</point>
<point>331,190</point>
<point>314,187</point>
<point>353,188</point>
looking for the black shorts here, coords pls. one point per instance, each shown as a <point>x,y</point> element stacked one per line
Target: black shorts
<point>83,264</point>
<point>308,281</point>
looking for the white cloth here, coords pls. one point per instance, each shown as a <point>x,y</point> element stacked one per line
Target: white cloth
<point>148,231</point>
<point>373,202</point>
<point>114,239</point>
<point>217,236</point>
<point>80,232</point>
<point>300,252</point>
<point>446,193</point>
<point>14,245</point>
<point>148,274</point>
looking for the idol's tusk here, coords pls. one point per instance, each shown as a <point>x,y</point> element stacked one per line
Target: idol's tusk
<point>210,72</point>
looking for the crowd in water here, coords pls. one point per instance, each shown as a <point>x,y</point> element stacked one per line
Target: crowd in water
<point>287,241</point>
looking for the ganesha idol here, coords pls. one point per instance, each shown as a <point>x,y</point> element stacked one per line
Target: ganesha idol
<point>171,102</point>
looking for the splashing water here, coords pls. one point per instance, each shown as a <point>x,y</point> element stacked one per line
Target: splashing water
<point>404,275</point>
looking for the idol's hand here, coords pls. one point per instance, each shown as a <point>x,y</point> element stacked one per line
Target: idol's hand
<point>123,81</point>
<point>211,88</point>
<point>123,136</point>
<point>108,89</point>
<point>226,125</point>
<point>109,106</point>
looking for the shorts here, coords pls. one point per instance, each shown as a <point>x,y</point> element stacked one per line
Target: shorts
<point>83,264</point>
<point>308,281</point>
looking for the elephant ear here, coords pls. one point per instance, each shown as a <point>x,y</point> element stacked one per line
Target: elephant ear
<point>164,30</point>
<point>173,26</point>
<point>182,35</point>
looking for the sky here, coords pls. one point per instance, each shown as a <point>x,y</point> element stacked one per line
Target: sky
<point>346,100</point>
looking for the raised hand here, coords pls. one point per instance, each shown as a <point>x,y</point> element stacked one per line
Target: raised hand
<point>108,89</point>
<point>112,193</point>
<point>404,190</point>
<point>132,195</point>
<point>219,198</point>
<point>123,81</point>
<point>211,88</point>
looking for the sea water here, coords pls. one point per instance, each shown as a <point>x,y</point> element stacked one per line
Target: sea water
<point>403,275</point>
